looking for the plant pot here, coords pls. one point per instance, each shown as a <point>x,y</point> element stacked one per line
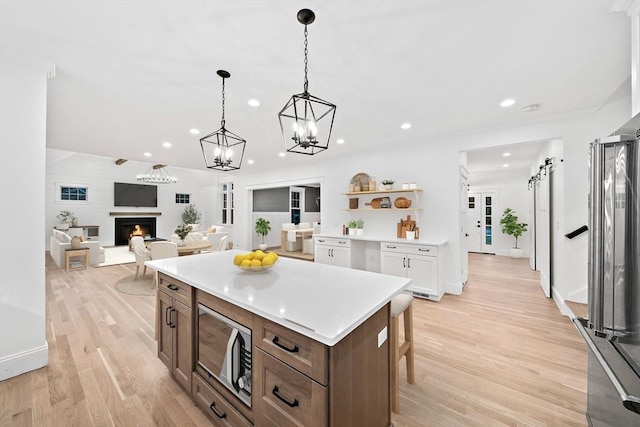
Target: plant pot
<point>263,246</point>
<point>352,232</point>
<point>388,186</point>
<point>359,231</point>
<point>515,252</point>
<point>181,242</point>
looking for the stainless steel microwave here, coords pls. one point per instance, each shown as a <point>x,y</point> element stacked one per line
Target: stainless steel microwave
<point>224,351</point>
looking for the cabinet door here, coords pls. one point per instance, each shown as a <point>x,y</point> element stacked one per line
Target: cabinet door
<point>165,334</point>
<point>182,365</point>
<point>341,257</point>
<point>424,272</point>
<point>393,263</point>
<point>322,253</point>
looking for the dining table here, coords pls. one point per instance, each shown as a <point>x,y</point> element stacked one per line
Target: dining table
<point>300,232</point>
<point>194,246</point>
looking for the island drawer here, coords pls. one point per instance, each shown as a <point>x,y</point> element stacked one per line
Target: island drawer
<point>215,406</point>
<point>175,289</point>
<point>333,241</point>
<point>410,249</point>
<point>283,396</point>
<point>296,350</point>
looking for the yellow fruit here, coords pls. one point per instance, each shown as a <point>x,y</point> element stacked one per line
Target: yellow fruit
<point>259,255</point>
<point>268,260</point>
<point>245,263</point>
<point>250,255</point>
<point>237,260</point>
<point>256,263</point>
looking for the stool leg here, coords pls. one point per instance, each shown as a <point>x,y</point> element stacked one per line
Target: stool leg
<point>408,337</point>
<point>395,360</point>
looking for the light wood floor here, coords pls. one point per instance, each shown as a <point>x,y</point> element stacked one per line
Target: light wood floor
<point>500,354</point>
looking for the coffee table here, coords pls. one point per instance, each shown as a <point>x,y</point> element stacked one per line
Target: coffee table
<point>193,246</point>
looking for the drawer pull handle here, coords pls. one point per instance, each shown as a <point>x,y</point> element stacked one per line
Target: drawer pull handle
<point>423,250</point>
<point>276,341</point>
<point>279,396</point>
<point>167,316</point>
<point>172,287</point>
<point>215,411</point>
<point>391,247</point>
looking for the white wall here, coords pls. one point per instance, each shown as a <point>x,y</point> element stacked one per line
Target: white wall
<point>23,345</point>
<point>511,186</point>
<point>99,174</point>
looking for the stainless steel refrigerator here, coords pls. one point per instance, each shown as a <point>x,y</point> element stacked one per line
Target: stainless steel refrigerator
<point>612,332</point>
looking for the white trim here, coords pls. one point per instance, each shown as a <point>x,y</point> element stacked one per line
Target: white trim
<point>59,185</point>
<point>25,361</point>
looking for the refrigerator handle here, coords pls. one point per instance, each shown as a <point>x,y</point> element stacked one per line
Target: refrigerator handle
<point>595,278</point>
<point>629,401</point>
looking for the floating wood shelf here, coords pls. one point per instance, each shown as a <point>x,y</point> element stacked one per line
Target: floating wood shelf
<point>407,190</point>
<point>135,213</point>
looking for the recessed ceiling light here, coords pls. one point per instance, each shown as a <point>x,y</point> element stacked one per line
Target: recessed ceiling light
<point>166,144</point>
<point>405,126</point>
<point>254,102</point>
<point>340,141</point>
<point>507,103</point>
<point>505,165</point>
<point>147,154</point>
<point>531,108</point>
<point>250,161</point>
<point>194,131</point>
<point>507,154</point>
<point>282,154</point>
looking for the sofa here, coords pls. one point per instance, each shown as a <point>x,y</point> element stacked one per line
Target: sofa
<point>59,241</point>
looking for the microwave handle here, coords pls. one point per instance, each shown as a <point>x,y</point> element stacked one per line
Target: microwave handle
<point>229,357</point>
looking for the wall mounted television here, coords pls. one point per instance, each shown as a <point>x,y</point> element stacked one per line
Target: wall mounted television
<point>135,195</point>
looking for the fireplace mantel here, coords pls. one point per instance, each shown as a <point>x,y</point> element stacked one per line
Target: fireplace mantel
<point>135,213</point>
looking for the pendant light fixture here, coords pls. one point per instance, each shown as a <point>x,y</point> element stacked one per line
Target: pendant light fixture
<point>223,150</point>
<point>300,117</point>
<point>157,174</point>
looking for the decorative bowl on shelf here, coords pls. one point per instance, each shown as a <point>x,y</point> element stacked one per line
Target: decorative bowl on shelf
<point>402,203</point>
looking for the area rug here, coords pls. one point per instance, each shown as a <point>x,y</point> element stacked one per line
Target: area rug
<point>143,286</point>
<point>117,255</point>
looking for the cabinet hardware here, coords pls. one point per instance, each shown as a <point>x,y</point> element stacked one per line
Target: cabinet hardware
<point>408,262</point>
<point>425,250</point>
<point>167,316</point>
<point>320,240</point>
<point>391,247</point>
<point>215,411</point>
<point>276,341</point>
<point>404,264</point>
<point>279,396</point>
<point>342,242</point>
<point>172,287</point>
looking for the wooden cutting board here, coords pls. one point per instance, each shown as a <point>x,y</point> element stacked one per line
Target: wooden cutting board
<point>407,225</point>
<point>375,203</point>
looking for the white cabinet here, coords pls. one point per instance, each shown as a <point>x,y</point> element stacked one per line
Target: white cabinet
<point>415,261</point>
<point>333,251</point>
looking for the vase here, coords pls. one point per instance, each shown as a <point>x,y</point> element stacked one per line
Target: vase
<point>181,242</point>
<point>263,246</point>
<point>76,242</point>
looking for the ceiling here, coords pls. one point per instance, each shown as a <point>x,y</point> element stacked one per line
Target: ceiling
<point>132,75</point>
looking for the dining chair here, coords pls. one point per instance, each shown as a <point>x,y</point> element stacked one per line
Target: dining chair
<point>141,253</point>
<point>165,249</point>
<point>222,246</point>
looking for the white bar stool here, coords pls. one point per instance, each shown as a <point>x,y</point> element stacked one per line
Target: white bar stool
<point>401,304</point>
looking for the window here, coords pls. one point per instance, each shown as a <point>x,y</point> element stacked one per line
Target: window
<point>182,198</point>
<point>72,193</point>
<point>227,203</point>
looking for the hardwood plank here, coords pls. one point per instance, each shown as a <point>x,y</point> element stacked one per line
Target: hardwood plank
<point>500,354</point>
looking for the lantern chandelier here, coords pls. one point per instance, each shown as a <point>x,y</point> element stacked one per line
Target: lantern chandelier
<point>157,174</point>
<point>223,150</point>
<point>299,118</point>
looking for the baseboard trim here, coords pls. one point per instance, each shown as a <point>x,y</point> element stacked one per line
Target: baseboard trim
<point>20,363</point>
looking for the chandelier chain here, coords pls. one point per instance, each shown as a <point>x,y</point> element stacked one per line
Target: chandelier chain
<point>222,121</point>
<point>306,60</point>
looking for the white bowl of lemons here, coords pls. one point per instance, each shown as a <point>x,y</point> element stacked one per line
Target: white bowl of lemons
<point>255,261</point>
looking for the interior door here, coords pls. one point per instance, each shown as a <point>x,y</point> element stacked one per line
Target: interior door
<point>543,246</point>
<point>474,222</point>
<point>532,227</point>
<point>464,226</point>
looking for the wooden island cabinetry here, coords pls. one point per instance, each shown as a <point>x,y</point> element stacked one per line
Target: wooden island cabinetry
<point>307,368</point>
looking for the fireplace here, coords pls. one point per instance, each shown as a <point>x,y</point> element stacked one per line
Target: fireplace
<point>126,228</point>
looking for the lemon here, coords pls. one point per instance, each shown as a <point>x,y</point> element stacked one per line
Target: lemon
<point>259,255</point>
<point>250,255</point>
<point>268,260</point>
<point>237,260</point>
<point>256,263</point>
<point>245,263</point>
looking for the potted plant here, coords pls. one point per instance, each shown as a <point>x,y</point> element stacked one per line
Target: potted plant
<point>263,227</point>
<point>191,215</point>
<point>388,184</point>
<point>509,225</point>
<point>351,225</point>
<point>66,218</point>
<point>359,227</point>
<point>182,230</point>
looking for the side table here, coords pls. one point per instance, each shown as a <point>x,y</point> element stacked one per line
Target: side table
<point>79,252</point>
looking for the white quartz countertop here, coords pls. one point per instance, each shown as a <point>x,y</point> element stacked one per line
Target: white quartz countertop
<point>323,302</point>
<point>392,239</point>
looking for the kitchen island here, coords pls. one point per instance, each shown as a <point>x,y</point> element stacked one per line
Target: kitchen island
<point>319,350</point>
